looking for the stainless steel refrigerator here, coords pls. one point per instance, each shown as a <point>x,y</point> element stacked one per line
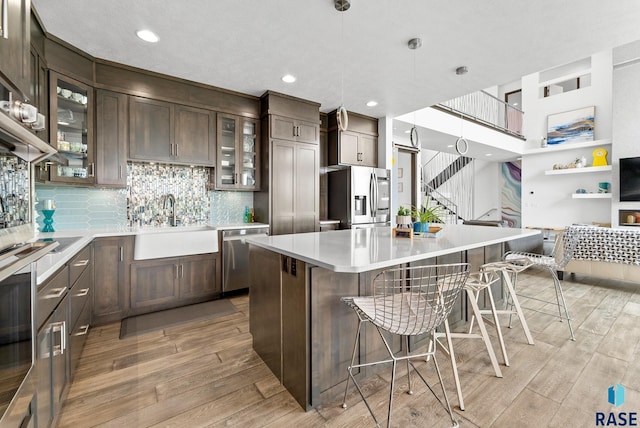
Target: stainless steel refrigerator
<point>359,196</point>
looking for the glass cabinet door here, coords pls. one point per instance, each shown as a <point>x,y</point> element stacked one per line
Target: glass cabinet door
<point>249,150</point>
<point>71,118</point>
<point>226,175</point>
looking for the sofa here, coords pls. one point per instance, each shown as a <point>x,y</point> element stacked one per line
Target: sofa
<point>607,253</point>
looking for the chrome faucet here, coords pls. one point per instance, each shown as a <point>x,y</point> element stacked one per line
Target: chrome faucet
<point>170,202</point>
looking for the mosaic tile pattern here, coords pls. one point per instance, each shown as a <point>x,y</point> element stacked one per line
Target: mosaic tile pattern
<point>148,185</point>
<point>83,208</point>
<point>14,192</point>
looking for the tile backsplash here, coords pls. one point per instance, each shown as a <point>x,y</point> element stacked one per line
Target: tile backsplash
<point>141,201</point>
<point>14,191</point>
<point>148,186</point>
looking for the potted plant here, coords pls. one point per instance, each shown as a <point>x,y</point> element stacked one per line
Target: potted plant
<point>404,216</point>
<point>426,215</point>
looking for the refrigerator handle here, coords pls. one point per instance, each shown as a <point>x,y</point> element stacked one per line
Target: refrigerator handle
<point>371,195</point>
<point>375,194</point>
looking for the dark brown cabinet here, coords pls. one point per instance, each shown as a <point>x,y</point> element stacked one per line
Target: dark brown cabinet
<point>71,130</point>
<point>112,126</point>
<point>154,282</point>
<point>356,146</point>
<point>289,197</point>
<point>285,128</point>
<point>166,132</point>
<point>150,129</point>
<point>15,46</point>
<point>198,276</point>
<point>111,278</point>
<point>80,290</point>
<point>295,187</point>
<point>238,153</point>
<point>170,282</point>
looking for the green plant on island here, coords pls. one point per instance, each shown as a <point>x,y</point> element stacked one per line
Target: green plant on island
<point>427,214</point>
<point>402,211</point>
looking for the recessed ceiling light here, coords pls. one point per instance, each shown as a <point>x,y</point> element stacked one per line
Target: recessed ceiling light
<point>288,78</point>
<point>372,103</point>
<point>488,154</point>
<point>450,145</point>
<point>147,36</point>
<point>407,131</point>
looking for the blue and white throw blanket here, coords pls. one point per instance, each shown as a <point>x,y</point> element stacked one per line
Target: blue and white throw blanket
<point>604,244</point>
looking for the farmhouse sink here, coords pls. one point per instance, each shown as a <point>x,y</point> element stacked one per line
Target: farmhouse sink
<point>175,242</point>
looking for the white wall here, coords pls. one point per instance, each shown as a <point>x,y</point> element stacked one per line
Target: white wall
<point>598,94</point>
<point>487,190</point>
<point>546,199</point>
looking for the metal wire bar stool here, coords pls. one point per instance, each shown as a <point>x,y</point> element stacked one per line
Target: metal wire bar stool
<point>407,301</point>
<point>563,251</point>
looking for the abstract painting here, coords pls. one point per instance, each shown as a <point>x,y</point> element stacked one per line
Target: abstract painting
<point>571,126</point>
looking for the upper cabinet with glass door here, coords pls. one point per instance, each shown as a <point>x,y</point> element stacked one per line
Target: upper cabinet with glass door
<point>71,119</point>
<point>237,160</point>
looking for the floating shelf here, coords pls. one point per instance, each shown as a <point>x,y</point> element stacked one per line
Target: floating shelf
<point>567,146</point>
<point>585,169</point>
<point>591,195</point>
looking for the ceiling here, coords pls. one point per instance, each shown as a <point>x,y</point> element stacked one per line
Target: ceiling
<point>247,46</point>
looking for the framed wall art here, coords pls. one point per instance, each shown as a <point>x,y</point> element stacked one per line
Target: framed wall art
<point>571,126</point>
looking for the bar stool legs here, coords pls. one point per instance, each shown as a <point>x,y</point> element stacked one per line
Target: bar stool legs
<point>510,270</point>
<point>476,283</point>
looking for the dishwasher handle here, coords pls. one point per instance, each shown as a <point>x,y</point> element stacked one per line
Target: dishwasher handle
<point>242,237</point>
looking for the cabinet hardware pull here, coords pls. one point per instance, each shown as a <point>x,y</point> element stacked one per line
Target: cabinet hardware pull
<point>121,254</point>
<point>176,274</point>
<point>58,292</point>
<point>120,171</point>
<point>81,263</point>
<point>83,330</point>
<point>60,327</point>
<point>5,19</point>
<point>235,179</point>
<point>181,271</point>
<point>177,145</point>
<point>83,292</point>
<point>170,149</point>
<point>93,169</point>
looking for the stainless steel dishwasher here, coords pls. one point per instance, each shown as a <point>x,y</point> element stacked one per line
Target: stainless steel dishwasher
<point>235,256</point>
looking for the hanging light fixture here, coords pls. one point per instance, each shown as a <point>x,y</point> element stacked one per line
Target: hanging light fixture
<point>414,44</point>
<point>342,116</point>
<point>462,145</point>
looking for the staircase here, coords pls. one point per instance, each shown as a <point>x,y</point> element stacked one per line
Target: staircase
<point>447,181</point>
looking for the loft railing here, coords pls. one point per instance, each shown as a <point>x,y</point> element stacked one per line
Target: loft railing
<point>488,110</point>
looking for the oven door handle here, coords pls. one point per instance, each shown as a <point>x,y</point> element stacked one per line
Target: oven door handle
<point>60,327</point>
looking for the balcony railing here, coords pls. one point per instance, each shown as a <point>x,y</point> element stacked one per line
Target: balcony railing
<point>488,110</point>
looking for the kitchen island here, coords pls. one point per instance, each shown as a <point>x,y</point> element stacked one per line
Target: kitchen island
<point>302,330</point>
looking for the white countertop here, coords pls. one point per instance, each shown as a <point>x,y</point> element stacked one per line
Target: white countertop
<point>49,264</point>
<point>361,250</point>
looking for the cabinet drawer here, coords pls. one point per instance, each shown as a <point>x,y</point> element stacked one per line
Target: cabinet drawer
<point>80,295</point>
<point>51,294</point>
<point>77,337</point>
<point>78,264</point>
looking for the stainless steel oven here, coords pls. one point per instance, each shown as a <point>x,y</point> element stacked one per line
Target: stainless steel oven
<point>17,331</point>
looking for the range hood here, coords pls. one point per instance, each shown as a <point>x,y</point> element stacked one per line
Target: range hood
<point>21,142</point>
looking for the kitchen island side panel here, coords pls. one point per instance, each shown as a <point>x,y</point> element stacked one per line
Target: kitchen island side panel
<point>265,310</point>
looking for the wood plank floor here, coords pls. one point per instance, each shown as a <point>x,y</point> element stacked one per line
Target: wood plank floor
<point>205,374</point>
